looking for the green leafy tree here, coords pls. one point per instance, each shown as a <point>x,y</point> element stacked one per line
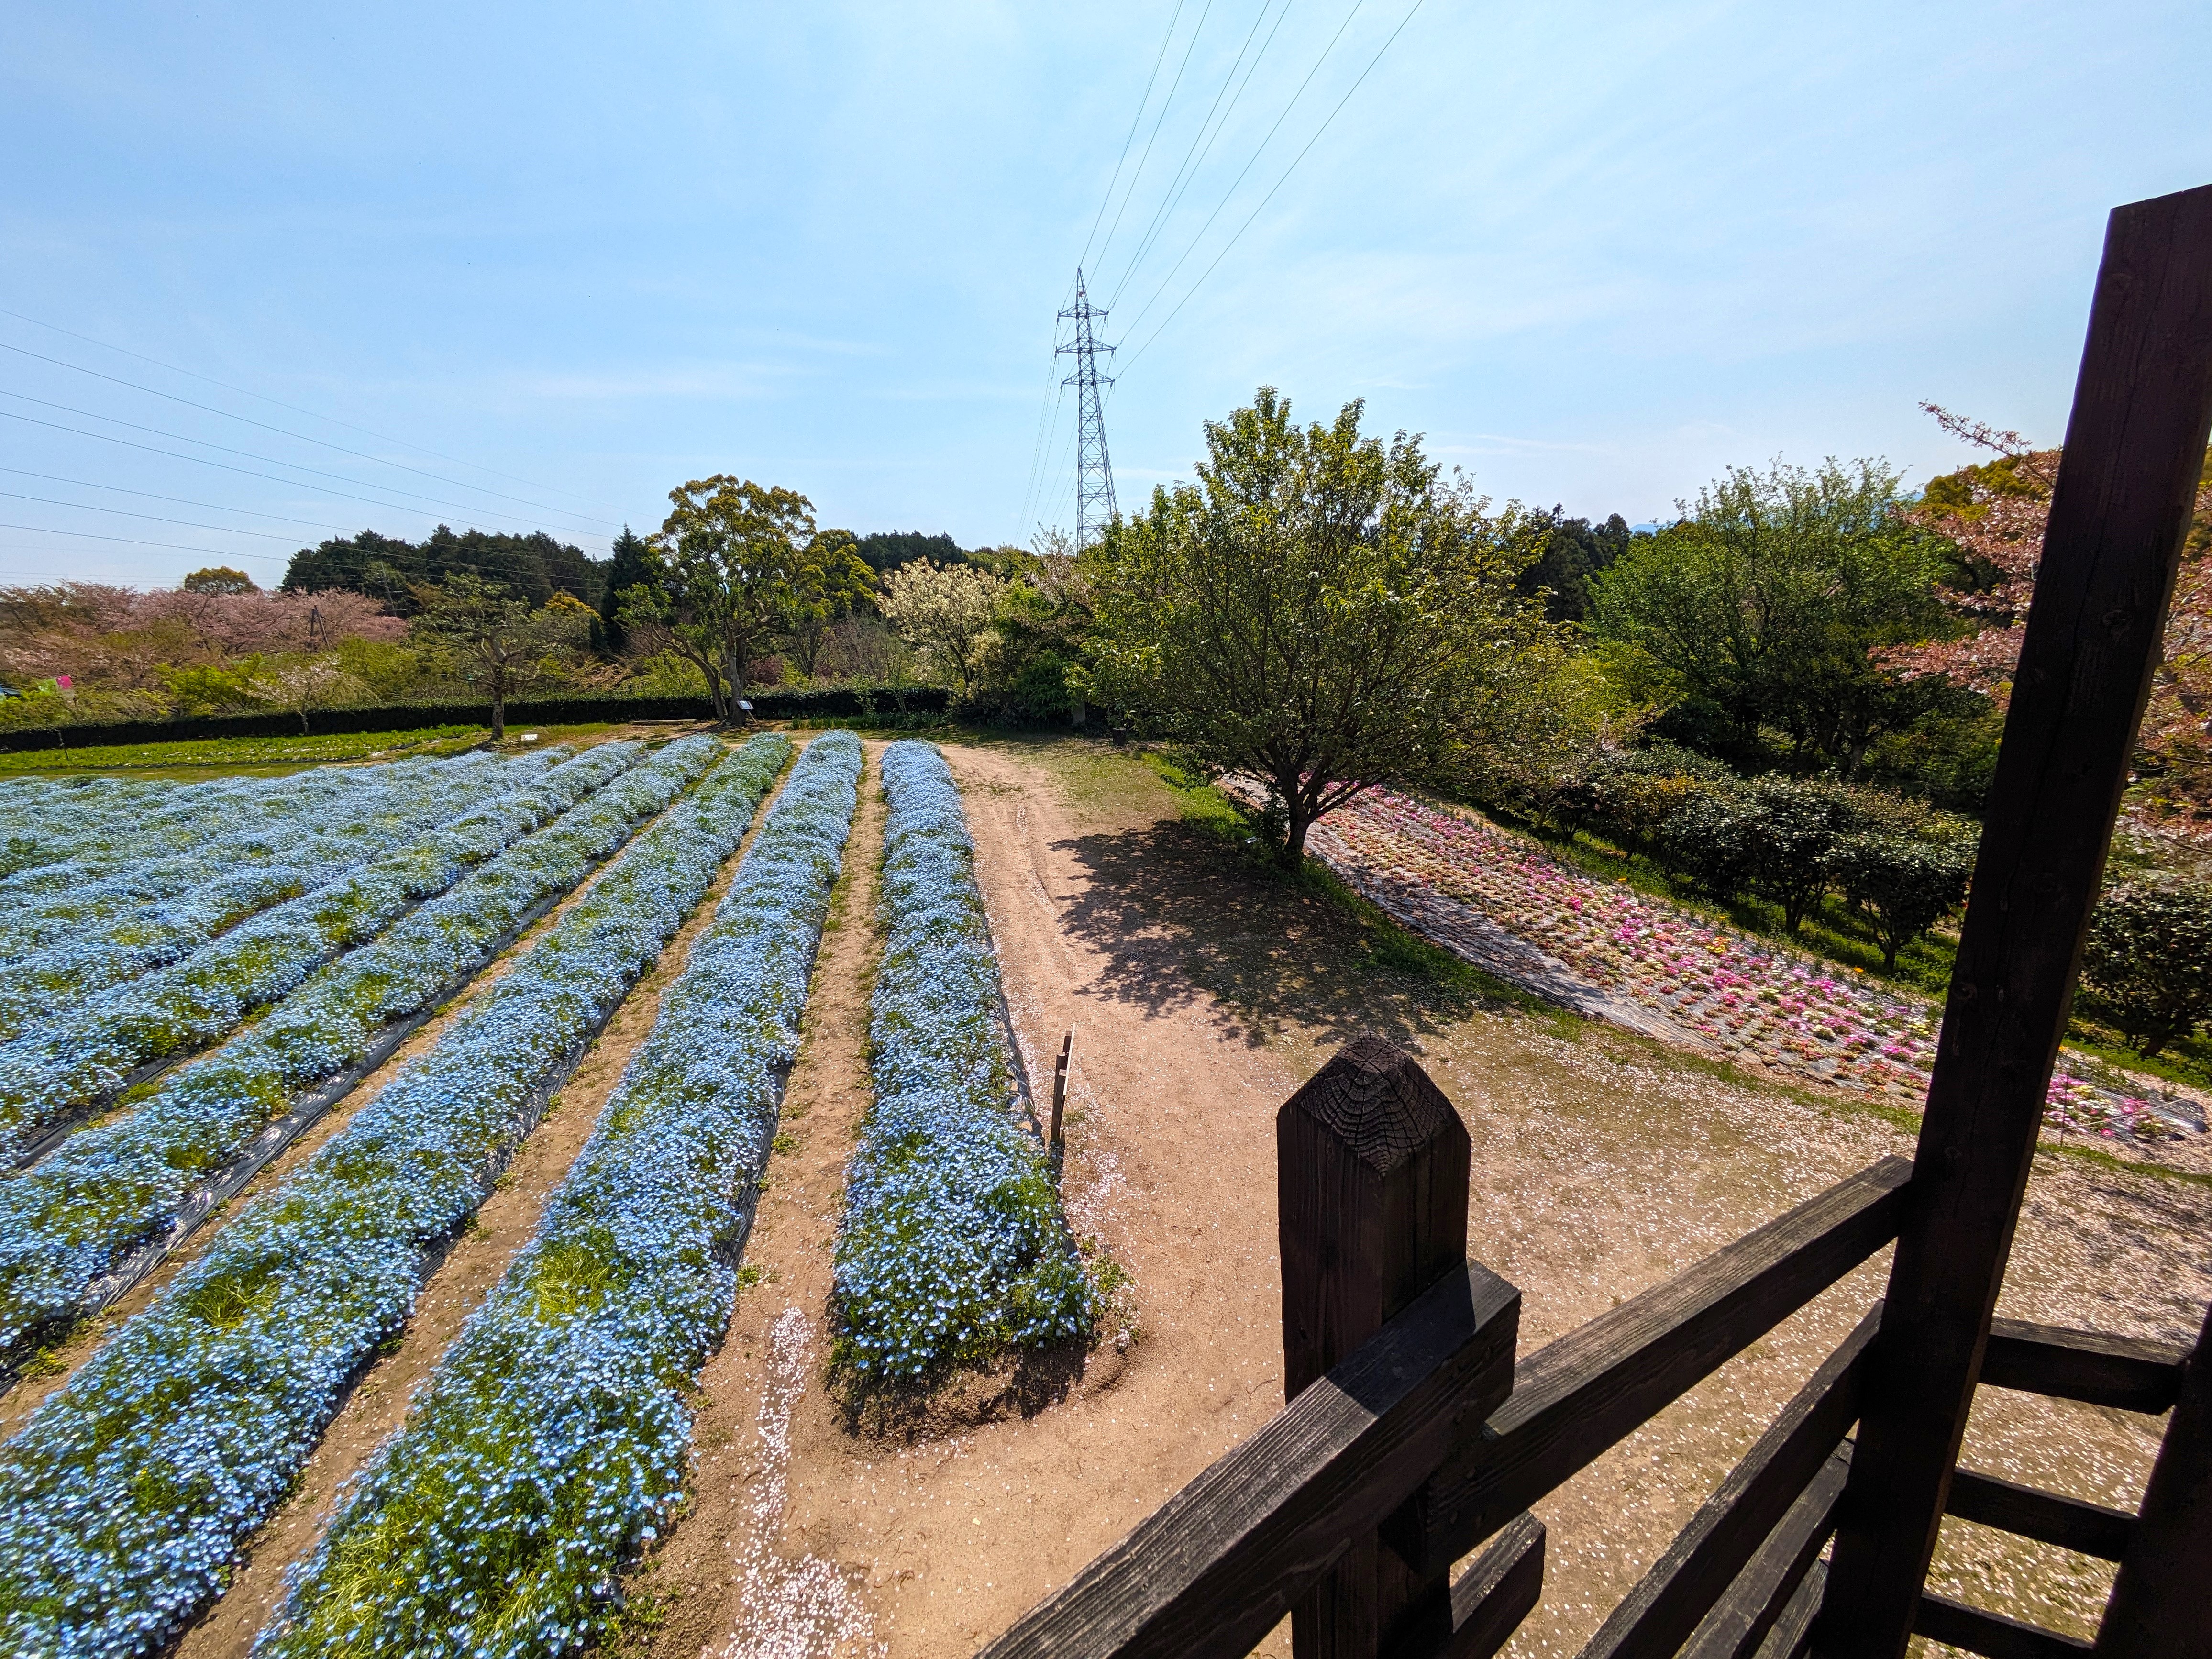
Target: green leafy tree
<point>1904,884</point>
<point>830,582</point>
<point>1762,604</point>
<point>493,639</point>
<point>723,569</point>
<point>218,579</point>
<point>2148,960</point>
<point>1322,610</point>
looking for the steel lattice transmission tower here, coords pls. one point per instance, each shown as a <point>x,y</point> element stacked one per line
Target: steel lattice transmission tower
<point>1094,469</point>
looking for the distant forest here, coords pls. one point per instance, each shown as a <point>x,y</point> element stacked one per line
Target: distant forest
<point>1574,555</point>
<point>535,566</point>
<point>386,568</point>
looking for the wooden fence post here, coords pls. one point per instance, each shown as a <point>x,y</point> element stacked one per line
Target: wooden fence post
<point>1372,1167</point>
<point>2134,447</point>
<point>2158,1609</point>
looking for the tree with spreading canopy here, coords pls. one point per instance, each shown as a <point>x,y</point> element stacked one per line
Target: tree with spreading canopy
<point>493,638</point>
<point>1324,611</point>
<point>945,610</point>
<point>724,566</point>
<point>1762,604</point>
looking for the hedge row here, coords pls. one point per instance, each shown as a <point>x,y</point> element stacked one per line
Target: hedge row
<point>1789,842</point>
<point>839,702</point>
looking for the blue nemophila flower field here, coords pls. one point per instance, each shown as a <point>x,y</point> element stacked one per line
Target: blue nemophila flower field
<point>57,835</point>
<point>272,846</point>
<point>552,1441</point>
<point>124,1498</point>
<point>74,1216</point>
<point>85,1053</point>
<point>953,1249</point>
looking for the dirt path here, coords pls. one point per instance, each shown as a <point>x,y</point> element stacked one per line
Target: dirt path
<point>1203,992</point>
<point>503,1224</point>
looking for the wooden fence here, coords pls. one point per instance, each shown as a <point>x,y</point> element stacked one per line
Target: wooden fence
<point>1415,1437</point>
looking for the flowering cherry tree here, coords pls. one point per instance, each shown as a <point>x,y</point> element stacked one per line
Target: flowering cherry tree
<point>1995,514</point>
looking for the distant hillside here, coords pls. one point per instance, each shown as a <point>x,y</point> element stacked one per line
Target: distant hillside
<point>535,566</point>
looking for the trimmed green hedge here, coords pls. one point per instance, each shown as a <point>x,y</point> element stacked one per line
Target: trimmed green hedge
<point>838,702</point>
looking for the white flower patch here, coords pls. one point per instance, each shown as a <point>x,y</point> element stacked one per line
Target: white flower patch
<point>552,1441</point>
<point>125,1496</point>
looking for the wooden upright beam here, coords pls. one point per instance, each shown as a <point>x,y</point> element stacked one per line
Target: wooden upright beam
<point>2134,447</point>
<point>1371,1166</point>
<point>2159,1608</point>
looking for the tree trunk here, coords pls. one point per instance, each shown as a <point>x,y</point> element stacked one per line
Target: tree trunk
<point>1295,826</point>
<point>498,715</point>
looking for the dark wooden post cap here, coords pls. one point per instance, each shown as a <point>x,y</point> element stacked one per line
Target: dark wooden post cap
<point>1375,1099</point>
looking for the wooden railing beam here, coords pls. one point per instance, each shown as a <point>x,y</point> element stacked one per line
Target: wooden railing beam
<point>1769,1596</point>
<point>1993,1635</point>
<point>1698,1569</point>
<point>2128,1372</point>
<point>2159,1608</point>
<point>1498,1589</point>
<point>1582,1395</point>
<point>2045,1516</point>
<point>2126,491</point>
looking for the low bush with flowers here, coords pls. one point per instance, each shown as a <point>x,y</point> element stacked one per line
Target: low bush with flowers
<point>953,1248</point>
<point>124,1498</point>
<point>551,1443</point>
<point>75,1215</point>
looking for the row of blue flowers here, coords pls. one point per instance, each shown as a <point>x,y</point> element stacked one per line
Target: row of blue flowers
<point>77,1214</point>
<point>85,1053</point>
<point>126,1496</point>
<point>155,911</point>
<point>77,841</point>
<point>552,1440</point>
<point>953,1249</point>
<point>48,821</point>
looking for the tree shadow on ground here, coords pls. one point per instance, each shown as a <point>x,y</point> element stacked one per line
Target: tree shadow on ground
<point>1178,910</point>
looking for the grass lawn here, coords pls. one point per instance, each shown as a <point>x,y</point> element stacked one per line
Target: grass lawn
<point>202,757</point>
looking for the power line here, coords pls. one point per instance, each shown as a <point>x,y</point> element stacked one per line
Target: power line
<point>179,501</point>
<point>269,460</point>
<point>1278,184</point>
<point>131,541</point>
<point>1259,150</point>
<point>1105,201</point>
<point>279,404</point>
<point>126,512</point>
<point>1208,132</point>
<point>285,432</point>
<point>1153,135</point>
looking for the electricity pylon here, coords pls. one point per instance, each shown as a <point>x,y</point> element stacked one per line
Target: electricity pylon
<point>1094,471</point>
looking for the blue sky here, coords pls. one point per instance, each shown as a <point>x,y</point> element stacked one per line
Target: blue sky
<point>560,258</point>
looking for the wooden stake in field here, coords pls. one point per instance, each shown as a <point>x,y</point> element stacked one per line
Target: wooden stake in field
<point>1056,1140</point>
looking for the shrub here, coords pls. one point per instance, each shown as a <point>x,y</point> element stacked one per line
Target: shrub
<point>1628,796</point>
<point>1798,824</point>
<point>1712,840</point>
<point>2149,961</point>
<point>1904,884</point>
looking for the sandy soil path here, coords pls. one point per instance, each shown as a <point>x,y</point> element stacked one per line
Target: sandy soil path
<point>1203,992</point>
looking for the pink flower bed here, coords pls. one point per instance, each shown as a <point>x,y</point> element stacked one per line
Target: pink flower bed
<point>1745,996</point>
